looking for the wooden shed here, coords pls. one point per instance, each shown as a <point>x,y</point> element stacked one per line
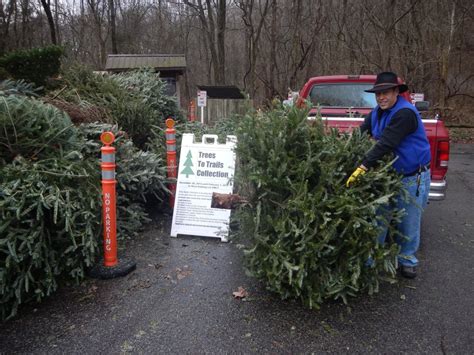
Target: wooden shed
<point>222,102</point>
<point>171,67</point>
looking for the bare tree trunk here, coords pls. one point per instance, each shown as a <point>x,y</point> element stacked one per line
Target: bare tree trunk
<point>98,13</point>
<point>214,30</point>
<point>52,29</point>
<point>221,27</point>
<point>444,70</point>
<point>212,42</point>
<point>56,21</point>
<point>252,34</point>
<point>15,22</point>
<point>113,36</point>
<point>303,48</point>
<point>295,42</point>
<point>273,60</point>
<point>24,23</point>
<point>5,24</point>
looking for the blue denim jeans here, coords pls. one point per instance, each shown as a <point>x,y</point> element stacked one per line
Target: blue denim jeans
<point>410,225</point>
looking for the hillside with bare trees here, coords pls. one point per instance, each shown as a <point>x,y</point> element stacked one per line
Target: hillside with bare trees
<point>264,46</point>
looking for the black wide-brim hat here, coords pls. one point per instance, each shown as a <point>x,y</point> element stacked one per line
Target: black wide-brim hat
<point>387,80</point>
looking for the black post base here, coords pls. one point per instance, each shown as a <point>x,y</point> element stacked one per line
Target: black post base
<point>124,267</point>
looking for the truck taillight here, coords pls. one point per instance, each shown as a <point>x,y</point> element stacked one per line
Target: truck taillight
<point>443,154</point>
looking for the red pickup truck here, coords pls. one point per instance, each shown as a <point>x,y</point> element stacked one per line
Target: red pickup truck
<point>342,103</point>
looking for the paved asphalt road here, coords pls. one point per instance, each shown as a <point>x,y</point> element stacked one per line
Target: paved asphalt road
<point>179,300</point>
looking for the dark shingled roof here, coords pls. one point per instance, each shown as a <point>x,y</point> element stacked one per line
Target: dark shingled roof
<point>222,92</point>
<point>160,62</point>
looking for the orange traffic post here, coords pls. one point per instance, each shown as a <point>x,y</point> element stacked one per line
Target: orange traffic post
<point>192,110</point>
<point>171,158</point>
<point>111,267</point>
<point>107,166</point>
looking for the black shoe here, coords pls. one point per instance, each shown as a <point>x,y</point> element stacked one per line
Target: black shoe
<point>408,272</point>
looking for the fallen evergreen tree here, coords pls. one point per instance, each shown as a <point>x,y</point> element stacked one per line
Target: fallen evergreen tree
<point>134,100</point>
<point>308,235</point>
<point>50,209</point>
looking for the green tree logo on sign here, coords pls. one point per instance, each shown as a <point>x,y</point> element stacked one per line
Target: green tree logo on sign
<point>188,164</point>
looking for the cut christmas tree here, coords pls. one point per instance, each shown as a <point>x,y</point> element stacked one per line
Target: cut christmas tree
<point>308,235</point>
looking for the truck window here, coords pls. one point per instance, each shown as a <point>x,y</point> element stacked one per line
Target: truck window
<point>342,95</point>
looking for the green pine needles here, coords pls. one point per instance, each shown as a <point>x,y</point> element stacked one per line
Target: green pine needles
<point>50,208</point>
<point>309,236</point>
<point>33,129</point>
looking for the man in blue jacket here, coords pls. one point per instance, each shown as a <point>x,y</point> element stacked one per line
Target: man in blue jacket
<point>396,126</point>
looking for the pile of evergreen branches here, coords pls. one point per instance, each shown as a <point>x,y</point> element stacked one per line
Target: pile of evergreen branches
<point>50,224</point>
<point>309,236</point>
<point>134,100</point>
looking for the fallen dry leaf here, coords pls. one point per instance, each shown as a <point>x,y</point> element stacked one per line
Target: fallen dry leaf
<point>240,293</point>
<point>182,273</point>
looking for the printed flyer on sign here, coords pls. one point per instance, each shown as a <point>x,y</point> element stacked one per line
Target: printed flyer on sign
<point>204,168</point>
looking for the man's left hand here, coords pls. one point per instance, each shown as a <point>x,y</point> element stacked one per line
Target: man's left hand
<point>355,175</point>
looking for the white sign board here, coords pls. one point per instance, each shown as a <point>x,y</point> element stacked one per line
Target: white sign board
<point>204,168</point>
<point>202,98</point>
<point>415,97</point>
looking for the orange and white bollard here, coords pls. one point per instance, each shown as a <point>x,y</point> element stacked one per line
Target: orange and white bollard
<point>108,199</point>
<point>192,110</point>
<point>111,267</point>
<point>171,157</point>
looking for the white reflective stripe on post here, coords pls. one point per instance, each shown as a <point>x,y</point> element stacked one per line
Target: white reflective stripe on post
<point>171,147</point>
<point>108,158</point>
<point>170,136</point>
<point>108,175</point>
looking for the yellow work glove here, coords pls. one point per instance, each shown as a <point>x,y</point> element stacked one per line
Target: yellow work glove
<point>359,171</point>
